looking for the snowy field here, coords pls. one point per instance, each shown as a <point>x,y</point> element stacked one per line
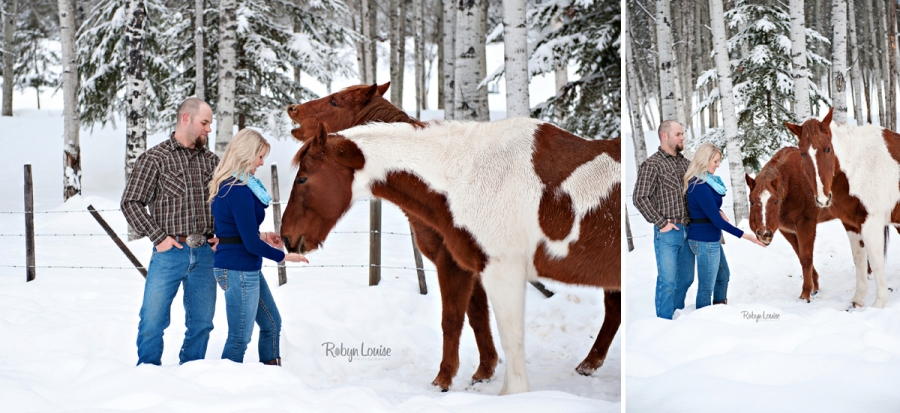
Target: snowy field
<point>69,337</point>
<point>814,357</point>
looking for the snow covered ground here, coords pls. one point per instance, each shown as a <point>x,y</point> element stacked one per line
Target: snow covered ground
<point>68,338</point>
<point>814,357</point>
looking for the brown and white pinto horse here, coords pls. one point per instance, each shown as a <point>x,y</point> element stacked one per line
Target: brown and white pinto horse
<point>513,200</point>
<point>857,168</point>
<point>779,200</point>
<point>461,290</point>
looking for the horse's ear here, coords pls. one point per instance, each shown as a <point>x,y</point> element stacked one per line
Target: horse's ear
<point>751,183</point>
<point>775,184</point>
<point>383,88</point>
<point>369,93</point>
<point>826,122</point>
<point>321,134</point>
<point>795,129</point>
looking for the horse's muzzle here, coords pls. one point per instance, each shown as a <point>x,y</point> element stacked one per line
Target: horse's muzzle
<point>826,204</point>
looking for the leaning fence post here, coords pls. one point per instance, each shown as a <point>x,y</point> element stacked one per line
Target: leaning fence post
<point>423,288</point>
<point>276,207</point>
<point>374,241</point>
<point>29,226</point>
<point>115,238</point>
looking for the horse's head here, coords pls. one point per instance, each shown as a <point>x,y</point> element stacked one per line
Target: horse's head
<point>765,213</point>
<point>338,110</point>
<point>817,156</point>
<point>322,190</point>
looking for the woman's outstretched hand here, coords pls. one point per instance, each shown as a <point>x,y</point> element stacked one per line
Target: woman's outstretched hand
<point>752,238</point>
<point>294,257</point>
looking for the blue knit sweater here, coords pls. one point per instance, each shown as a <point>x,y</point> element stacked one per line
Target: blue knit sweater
<point>237,212</point>
<point>704,202</point>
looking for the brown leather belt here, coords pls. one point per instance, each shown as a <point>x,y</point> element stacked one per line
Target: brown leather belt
<point>193,240</point>
<point>675,220</point>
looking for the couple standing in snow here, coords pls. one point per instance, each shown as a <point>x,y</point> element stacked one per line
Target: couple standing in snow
<point>178,180</point>
<point>683,199</point>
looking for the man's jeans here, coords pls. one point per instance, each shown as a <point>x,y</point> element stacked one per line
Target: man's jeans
<point>712,272</point>
<point>248,300</point>
<point>191,267</point>
<point>675,267</point>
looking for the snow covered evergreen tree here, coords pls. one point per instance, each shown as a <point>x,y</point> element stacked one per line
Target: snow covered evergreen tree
<point>102,59</point>
<point>763,85</point>
<point>268,49</point>
<point>37,60</point>
<point>590,35</point>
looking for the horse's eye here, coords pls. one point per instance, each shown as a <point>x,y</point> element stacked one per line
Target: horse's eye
<point>828,150</point>
<point>301,180</point>
<point>802,154</point>
<point>332,102</point>
<point>776,202</point>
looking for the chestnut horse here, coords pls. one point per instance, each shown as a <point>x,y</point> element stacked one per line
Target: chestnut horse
<point>461,290</point>
<point>779,200</point>
<point>858,170</point>
<point>513,200</point>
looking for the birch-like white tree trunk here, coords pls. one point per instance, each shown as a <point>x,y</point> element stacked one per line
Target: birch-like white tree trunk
<point>855,64</point>
<point>515,42</point>
<point>481,57</point>
<point>634,105</point>
<point>666,61</point>
<point>448,40</point>
<point>561,74</point>
<point>9,56</point>
<point>135,85</point>
<point>798,61</point>
<point>468,100</point>
<point>227,56</point>
<point>875,56</point>
<point>839,60</point>
<point>726,96</point>
<point>359,19</point>
<point>200,68</point>
<point>72,146</point>
<point>396,38</point>
<point>401,54</point>
<point>419,36</point>
<point>372,36</point>
<point>891,39</point>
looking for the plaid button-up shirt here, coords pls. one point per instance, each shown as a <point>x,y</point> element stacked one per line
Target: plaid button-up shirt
<point>658,193</point>
<point>173,182</point>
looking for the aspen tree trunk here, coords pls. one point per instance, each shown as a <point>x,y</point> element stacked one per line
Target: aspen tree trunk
<point>561,75</point>
<point>420,55</point>
<point>9,56</point>
<point>439,40</point>
<point>882,68</point>
<point>637,124</point>
<point>448,41</point>
<point>358,18</point>
<point>135,89</point>
<point>733,145</point>
<point>72,146</point>
<point>371,33</point>
<point>798,61</point>
<point>839,60</point>
<point>666,61</point>
<point>484,114</point>
<point>468,100</point>
<point>200,68</point>
<point>227,55</point>
<point>855,63</point>
<point>395,36</point>
<point>515,40</point>
<point>401,53</point>
<point>891,15</point>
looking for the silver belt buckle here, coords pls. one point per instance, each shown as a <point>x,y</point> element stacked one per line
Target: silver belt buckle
<point>196,240</point>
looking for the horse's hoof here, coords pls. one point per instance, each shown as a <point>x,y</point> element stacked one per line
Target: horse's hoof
<point>476,381</point>
<point>815,292</point>
<point>439,383</point>
<point>585,368</point>
<point>857,305</point>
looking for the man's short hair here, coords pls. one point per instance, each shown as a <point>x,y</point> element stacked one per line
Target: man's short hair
<point>666,126</point>
<point>190,106</point>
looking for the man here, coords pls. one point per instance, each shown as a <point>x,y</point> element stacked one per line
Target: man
<point>171,179</point>
<point>659,196</point>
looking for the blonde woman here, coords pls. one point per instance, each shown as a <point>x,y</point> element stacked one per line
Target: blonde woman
<point>704,191</point>
<point>238,206</point>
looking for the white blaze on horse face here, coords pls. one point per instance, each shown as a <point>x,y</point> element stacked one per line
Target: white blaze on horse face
<point>821,198</point>
<point>764,200</point>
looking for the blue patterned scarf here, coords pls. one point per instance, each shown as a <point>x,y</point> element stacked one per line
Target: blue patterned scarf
<point>256,187</point>
<point>714,182</point>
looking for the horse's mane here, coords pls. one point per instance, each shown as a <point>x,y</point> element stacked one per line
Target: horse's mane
<point>381,110</point>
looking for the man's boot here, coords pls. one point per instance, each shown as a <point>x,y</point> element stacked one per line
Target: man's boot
<point>274,362</point>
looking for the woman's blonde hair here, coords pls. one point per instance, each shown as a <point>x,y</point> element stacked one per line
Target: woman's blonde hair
<point>700,163</point>
<point>239,157</point>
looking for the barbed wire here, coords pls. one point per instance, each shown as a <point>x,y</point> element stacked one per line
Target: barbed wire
<point>58,212</point>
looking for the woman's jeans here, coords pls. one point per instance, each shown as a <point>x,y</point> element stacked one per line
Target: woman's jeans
<point>712,272</point>
<point>248,300</point>
<point>675,269</point>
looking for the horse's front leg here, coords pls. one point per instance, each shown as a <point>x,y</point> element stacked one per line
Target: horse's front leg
<point>862,265</point>
<point>805,265</point>
<point>480,320</point>
<point>873,234</point>
<point>504,282</point>
<point>612,301</point>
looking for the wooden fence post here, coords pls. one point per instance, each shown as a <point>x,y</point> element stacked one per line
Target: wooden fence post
<point>29,226</point>
<point>374,241</point>
<point>276,208</point>
<point>118,241</point>
<point>420,270</point>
